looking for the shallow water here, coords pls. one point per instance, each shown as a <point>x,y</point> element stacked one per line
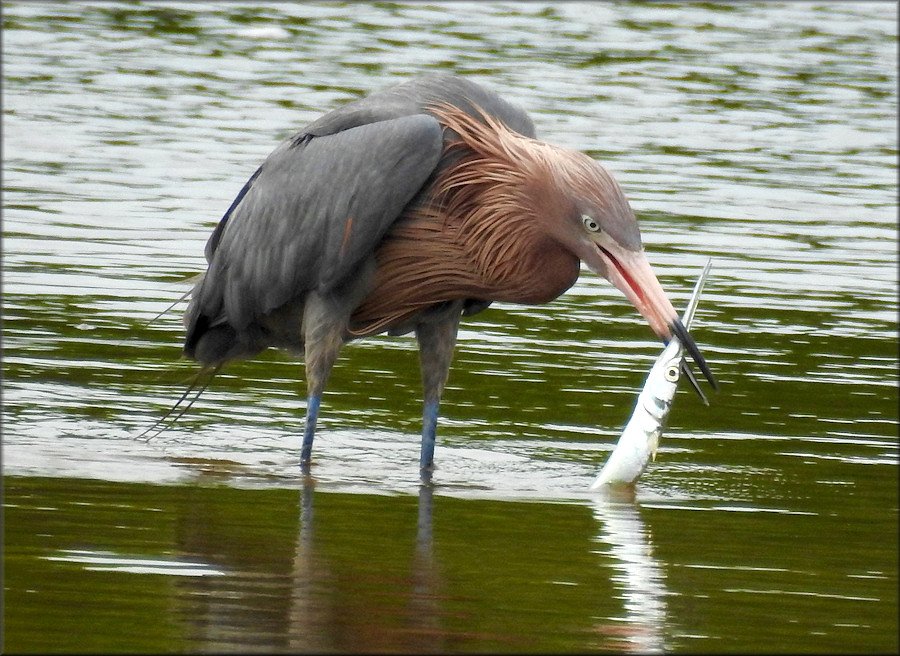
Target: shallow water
<point>763,136</point>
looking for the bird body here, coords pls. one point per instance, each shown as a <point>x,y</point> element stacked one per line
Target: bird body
<point>402,212</point>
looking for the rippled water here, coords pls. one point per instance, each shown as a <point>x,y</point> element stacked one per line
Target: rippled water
<point>761,135</point>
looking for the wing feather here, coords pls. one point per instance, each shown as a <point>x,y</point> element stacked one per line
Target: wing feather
<point>313,213</point>
<point>317,208</point>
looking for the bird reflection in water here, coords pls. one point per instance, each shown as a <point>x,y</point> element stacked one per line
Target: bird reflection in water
<point>317,624</point>
<point>298,595</point>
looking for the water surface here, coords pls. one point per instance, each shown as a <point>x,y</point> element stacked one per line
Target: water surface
<point>761,135</point>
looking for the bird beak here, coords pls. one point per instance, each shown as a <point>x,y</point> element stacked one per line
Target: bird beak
<point>630,271</point>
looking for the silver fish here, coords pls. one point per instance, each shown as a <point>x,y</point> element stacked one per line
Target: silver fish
<point>640,438</point>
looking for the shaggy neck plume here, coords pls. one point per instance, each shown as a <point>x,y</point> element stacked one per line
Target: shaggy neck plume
<point>481,235</point>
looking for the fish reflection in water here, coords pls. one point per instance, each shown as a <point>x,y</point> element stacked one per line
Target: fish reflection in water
<point>638,576</point>
<point>640,438</point>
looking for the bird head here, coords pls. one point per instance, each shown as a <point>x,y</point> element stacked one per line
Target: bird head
<point>596,223</point>
<point>573,200</point>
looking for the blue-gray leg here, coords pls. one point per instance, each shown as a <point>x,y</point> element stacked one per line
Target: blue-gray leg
<point>309,431</point>
<point>429,435</point>
<point>323,330</point>
<point>436,342</point>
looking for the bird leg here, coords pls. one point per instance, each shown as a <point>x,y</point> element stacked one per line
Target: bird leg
<point>436,342</point>
<point>309,430</point>
<point>323,331</point>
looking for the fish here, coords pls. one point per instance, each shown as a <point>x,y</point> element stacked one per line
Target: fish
<point>640,437</point>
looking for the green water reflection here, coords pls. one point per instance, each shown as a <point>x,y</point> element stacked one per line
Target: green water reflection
<point>99,566</point>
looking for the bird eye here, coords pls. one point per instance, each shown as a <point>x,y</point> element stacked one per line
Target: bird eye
<point>589,223</point>
<point>672,373</point>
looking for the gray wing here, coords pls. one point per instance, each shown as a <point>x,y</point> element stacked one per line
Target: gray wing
<point>312,213</point>
<point>319,205</point>
<point>414,96</point>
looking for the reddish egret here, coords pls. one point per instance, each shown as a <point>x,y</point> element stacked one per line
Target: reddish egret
<point>402,212</point>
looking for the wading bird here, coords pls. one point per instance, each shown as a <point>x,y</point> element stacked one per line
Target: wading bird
<point>402,212</point>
